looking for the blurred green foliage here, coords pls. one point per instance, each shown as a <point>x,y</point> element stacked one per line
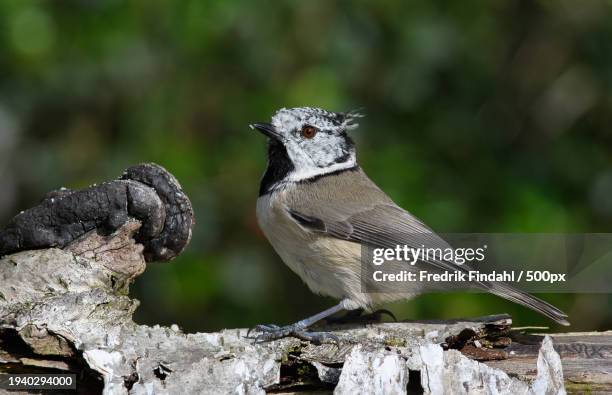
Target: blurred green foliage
<point>482,116</point>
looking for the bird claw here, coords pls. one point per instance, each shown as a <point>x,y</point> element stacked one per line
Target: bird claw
<point>270,332</point>
<point>261,328</point>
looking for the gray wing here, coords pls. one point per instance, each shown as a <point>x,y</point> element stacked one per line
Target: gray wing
<point>351,207</point>
<point>382,225</point>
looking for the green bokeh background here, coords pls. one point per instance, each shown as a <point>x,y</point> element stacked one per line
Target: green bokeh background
<point>482,116</point>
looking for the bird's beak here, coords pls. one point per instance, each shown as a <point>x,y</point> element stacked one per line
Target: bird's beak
<point>267,129</point>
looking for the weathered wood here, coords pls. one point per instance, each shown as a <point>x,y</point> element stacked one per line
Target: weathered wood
<point>67,310</point>
<point>586,359</point>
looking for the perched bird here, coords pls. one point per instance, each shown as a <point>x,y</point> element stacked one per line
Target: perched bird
<point>317,208</point>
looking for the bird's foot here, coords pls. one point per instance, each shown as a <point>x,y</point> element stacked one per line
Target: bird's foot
<point>357,317</point>
<point>271,332</point>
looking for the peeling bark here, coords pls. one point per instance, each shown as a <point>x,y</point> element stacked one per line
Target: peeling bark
<point>69,310</point>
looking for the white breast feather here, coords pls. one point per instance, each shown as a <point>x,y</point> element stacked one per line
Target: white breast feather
<point>327,265</point>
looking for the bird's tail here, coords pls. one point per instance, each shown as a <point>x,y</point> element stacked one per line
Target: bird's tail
<point>527,300</point>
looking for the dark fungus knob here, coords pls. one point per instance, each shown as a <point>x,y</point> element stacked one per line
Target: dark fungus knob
<point>146,192</point>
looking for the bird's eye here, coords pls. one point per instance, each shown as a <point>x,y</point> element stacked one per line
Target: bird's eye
<point>309,131</point>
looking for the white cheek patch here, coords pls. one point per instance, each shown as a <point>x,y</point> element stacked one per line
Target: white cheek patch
<point>325,149</point>
<point>298,156</point>
<point>316,162</point>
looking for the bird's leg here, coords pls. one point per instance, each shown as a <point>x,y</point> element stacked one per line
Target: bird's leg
<point>357,317</point>
<point>273,332</point>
